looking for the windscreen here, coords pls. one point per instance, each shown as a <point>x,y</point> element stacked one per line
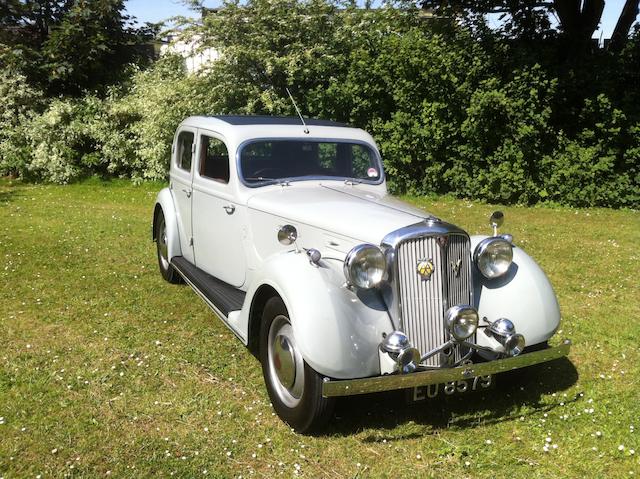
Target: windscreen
<point>268,161</point>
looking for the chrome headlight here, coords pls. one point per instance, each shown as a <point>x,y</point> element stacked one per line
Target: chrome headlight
<point>462,321</point>
<point>364,266</point>
<point>493,256</point>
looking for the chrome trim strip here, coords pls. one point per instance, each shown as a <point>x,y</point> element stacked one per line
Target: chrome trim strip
<point>429,227</point>
<point>352,387</point>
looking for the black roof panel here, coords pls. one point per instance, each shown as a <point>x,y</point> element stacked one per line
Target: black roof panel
<point>274,120</point>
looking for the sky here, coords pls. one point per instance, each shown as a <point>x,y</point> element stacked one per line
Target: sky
<point>612,9</point>
<point>157,10</point>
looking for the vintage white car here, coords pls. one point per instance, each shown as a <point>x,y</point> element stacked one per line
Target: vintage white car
<point>287,232</point>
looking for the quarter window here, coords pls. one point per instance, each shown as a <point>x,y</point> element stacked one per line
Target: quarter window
<point>214,159</point>
<point>184,150</point>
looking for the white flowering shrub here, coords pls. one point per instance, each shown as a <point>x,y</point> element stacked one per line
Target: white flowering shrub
<point>153,108</point>
<point>147,117</point>
<point>19,104</point>
<point>127,134</point>
<point>61,140</point>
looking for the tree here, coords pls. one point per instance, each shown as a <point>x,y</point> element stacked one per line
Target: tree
<point>578,19</point>
<point>579,22</point>
<point>623,27</point>
<point>91,45</point>
<point>68,46</point>
<point>29,22</point>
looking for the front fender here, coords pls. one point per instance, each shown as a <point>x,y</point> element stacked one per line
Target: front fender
<point>524,295</point>
<point>164,200</point>
<point>337,330</point>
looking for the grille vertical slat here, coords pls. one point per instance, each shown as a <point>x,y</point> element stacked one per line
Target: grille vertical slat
<point>424,302</point>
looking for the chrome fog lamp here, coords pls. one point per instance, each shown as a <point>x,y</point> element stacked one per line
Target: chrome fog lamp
<point>364,266</point>
<point>398,346</point>
<point>493,256</point>
<point>462,321</point>
<point>504,332</point>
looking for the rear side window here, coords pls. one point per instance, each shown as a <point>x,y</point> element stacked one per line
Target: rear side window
<point>214,159</point>
<point>184,150</point>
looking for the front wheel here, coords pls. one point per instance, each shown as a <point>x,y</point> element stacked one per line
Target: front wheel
<point>294,388</point>
<point>167,271</point>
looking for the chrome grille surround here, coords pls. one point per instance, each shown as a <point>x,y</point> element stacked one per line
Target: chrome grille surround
<point>416,305</point>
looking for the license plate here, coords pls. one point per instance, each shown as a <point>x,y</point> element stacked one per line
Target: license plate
<point>478,383</point>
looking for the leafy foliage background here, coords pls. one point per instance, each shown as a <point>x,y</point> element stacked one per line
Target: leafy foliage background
<point>455,107</point>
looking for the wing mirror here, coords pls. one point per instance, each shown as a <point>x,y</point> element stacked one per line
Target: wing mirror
<point>496,220</point>
<point>287,235</point>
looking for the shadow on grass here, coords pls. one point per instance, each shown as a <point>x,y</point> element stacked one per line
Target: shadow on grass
<point>7,193</point>
<point>503,402</point>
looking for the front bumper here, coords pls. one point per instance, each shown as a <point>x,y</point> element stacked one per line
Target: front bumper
<point>390,382</point>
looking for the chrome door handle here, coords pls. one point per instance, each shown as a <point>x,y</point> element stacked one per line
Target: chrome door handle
<point>187,192</point>
<point>229,209</point>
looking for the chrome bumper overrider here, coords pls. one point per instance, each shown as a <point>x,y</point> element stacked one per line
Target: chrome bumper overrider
<point>351,387</point>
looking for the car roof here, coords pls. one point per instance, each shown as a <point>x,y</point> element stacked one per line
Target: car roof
<point>238,129</point>
<point>274,120</point>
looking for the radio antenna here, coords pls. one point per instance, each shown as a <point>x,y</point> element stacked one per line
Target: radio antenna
<point>306,128</point>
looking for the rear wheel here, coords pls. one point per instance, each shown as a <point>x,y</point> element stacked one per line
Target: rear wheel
<point>167,271</point>
<point>294,388</point>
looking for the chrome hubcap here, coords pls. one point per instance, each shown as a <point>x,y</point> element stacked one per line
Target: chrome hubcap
<point>286,366</point>
<point>283,361</point>
<point>162,245</point>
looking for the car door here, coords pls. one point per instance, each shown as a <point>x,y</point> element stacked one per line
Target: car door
<point>180,183</point>
<point>217,217</point>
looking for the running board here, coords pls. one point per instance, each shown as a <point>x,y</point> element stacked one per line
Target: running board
<point>222,297</point>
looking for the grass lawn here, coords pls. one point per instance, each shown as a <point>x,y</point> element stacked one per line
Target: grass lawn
<point>105,369</point>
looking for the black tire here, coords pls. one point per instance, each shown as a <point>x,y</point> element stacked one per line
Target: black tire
<point>167,271</point>
<point>298,399</point>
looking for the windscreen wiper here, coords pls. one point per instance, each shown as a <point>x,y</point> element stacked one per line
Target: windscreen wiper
<point>352,181</point>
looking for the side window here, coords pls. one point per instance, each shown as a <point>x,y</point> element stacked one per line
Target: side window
<point>214,159</point>
<point>184,150</point>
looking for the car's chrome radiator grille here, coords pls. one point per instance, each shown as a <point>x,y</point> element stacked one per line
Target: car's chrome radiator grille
<point>423,301</point>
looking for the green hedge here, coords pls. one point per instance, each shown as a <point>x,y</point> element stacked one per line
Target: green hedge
<point>449,109</point>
